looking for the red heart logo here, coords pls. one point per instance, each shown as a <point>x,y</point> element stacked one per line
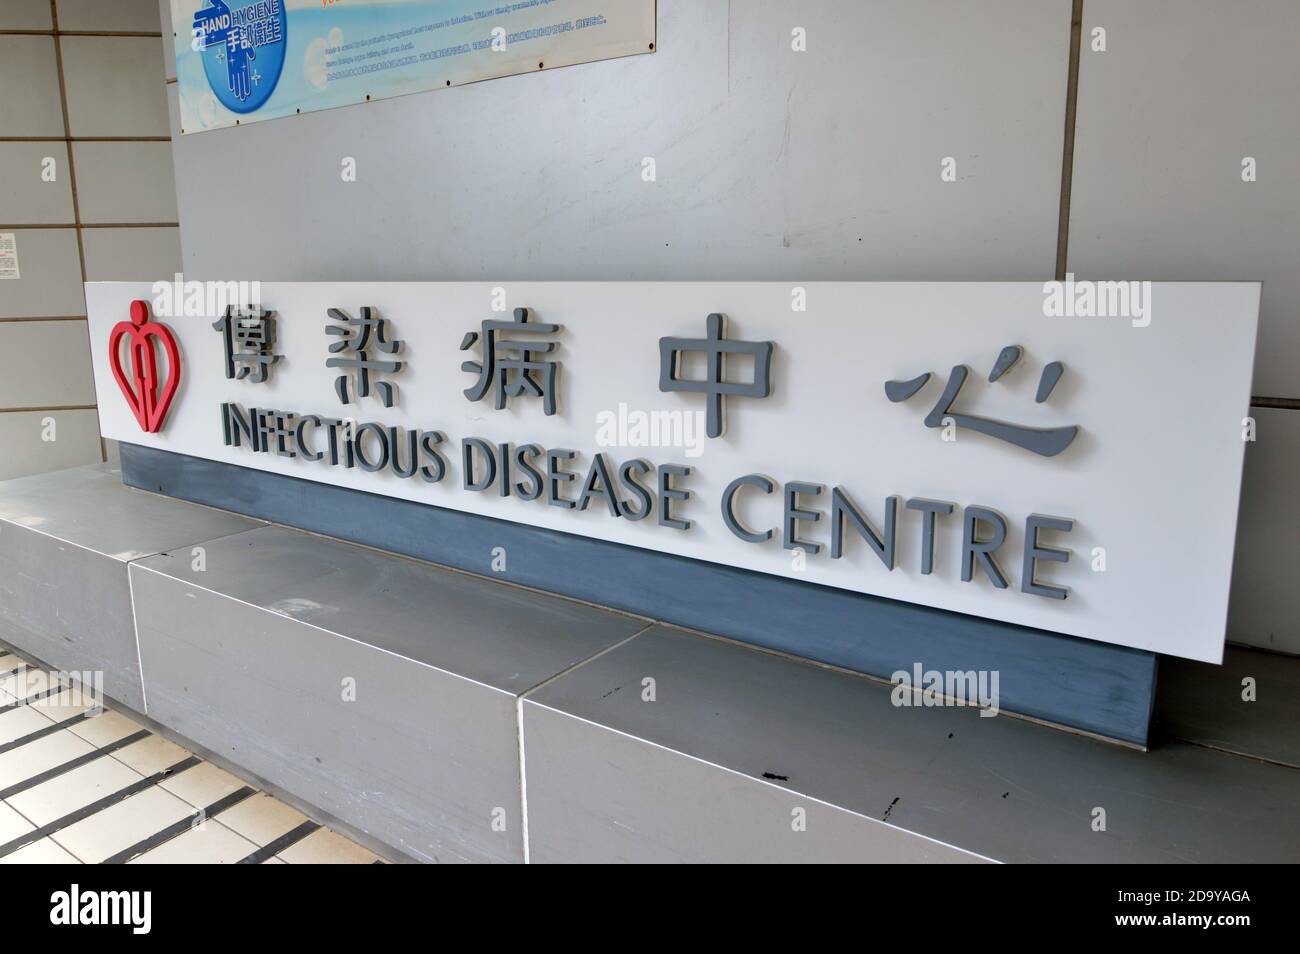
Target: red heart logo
<point>148,403</point>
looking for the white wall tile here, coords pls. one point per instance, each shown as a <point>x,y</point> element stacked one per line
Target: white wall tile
<point>174,117</point>
<point>25,15</point>
<point>168,38</point>
<point>25,197</point>
<point>46,364</point>
<point>118,16</point>
<point>51,276</point>
<point>1184,91</point>
<point>22,435</point>
<point>113,87</point>
<point>1265,605</point>
<point>125,181</point>
<point>29,77</point>
<point>140,254</point>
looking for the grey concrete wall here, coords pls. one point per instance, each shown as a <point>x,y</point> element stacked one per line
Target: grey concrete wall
<point>824,165</point>
<point>770,163</point>
<point>458,718</point>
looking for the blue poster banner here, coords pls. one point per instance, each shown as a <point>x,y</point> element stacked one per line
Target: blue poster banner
<point>241,61</point>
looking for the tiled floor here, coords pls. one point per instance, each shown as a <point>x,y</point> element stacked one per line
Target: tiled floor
<point>79,786</point>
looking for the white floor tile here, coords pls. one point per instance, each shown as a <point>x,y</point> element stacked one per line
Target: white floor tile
<point>105,728</point>
<point>210,844</point>
<point>150,755</point>
<point>29,682</point>
<point>324,847</point>
<point>43,852</point>
<point>59,796</point>
<point>262,818</point>
<point>203,784</point>
<point>62,706</point>
<point>16,723</point>
<point>18,765</point>
<point>12,824</point>
<point>117,828</point>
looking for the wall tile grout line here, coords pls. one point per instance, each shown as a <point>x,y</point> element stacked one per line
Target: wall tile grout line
<point>67,132</point>
<point>85,138</point>
<point>90,225</point>
<point>72,178</point>
<point>54,407</point>
<point>1067,149</point>
<point>45,318</point>
<point>58,32</point>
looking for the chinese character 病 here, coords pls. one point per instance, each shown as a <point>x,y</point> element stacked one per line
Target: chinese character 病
<point>511,363</point>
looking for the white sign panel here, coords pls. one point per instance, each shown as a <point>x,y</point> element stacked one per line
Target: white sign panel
<point>1072,461</point>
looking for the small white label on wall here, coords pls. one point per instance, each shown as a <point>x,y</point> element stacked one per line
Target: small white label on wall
<point>8,255</point>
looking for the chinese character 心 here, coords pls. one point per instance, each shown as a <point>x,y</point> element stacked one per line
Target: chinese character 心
<point>1047,442</point>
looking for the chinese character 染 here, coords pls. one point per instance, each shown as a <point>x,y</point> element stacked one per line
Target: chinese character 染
<point>511,363</point>
<point>715,348</point>
<point>249,339</point>
<point>1047,442</point>
<point>357,337</point>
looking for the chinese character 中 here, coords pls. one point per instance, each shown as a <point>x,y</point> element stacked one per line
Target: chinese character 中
<point>715,348</point>
<point>249,337</point>
<point>511,363</point>
<point>356,335</point>
<point>1047,442</point>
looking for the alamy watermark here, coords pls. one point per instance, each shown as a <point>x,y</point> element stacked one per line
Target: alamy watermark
<point>56,687</point>
<point>949,687</point>
<point>630,427</point>
<point>1085,299</point>
<point>194,299</point>
<point>133,909</point>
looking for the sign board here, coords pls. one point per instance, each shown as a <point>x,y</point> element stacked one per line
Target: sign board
<point>1064,456</point>
<point>241,61</point>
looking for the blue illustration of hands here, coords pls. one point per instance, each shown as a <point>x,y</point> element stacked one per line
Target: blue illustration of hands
<point>205,24</point>
<point>239,57</point>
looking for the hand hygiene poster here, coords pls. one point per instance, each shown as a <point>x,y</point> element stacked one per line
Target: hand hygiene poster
<point>242,61</point>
